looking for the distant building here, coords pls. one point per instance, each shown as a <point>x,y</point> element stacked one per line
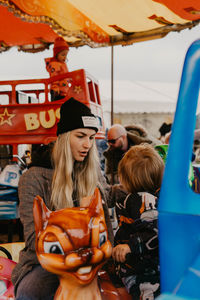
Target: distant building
<point>146,103</point>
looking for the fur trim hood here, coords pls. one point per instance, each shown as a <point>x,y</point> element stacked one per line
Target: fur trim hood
<point>138,134</point>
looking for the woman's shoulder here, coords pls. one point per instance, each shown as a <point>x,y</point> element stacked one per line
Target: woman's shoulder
<point>35,181</point>
<point>36,173</point>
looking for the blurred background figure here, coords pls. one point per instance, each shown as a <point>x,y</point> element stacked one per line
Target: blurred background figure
<point>101,147</point>
<point>120,139</point>
<point>56,65</point>
<point>164,129</point>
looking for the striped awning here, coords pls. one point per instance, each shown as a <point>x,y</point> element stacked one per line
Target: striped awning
<point>32,25</point>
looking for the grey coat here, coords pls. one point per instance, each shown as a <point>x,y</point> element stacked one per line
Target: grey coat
<point>37,181</point>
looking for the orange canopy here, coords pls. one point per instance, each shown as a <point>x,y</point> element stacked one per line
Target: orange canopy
<point>95,23</point>
<point>15,32</point>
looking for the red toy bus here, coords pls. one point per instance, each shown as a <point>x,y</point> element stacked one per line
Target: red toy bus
<point>28,115</point>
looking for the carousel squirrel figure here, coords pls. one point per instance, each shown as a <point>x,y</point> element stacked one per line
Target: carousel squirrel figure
<point>73,243</point>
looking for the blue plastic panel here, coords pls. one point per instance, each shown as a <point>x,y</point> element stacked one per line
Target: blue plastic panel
<point>179,206</point>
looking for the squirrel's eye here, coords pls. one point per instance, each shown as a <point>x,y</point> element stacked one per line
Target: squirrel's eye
<point>102,238</point>
<point>53,247</point>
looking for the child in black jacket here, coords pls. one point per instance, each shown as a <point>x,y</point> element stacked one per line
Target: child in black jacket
<point>136,241</point>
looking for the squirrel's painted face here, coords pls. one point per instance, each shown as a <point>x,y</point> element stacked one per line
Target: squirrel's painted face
<point>73,241</point>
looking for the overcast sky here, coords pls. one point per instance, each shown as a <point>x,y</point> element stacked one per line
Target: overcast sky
<point>157,60</point>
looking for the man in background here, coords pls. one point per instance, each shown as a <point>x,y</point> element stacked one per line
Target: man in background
<point>120,139</point>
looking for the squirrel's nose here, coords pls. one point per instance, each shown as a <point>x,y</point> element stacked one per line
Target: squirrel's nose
<point>85,255</point>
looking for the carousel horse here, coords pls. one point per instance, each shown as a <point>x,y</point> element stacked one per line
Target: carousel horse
<point>73,243</point>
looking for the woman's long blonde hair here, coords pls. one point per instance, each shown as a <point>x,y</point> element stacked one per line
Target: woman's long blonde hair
<point>71,178</point>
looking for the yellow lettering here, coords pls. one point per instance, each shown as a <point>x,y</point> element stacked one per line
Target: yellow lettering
<point>31,121</point>
<point>52,118</point>
<point>58,113</point>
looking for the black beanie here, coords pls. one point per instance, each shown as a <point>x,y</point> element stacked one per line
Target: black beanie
<point>74,115</point>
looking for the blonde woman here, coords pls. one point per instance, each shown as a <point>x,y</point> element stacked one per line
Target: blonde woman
<point>74,175</point>
<point>136,241</point>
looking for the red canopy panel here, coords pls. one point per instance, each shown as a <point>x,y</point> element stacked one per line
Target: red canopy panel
<point>15,32</point>
<point>188,10</point>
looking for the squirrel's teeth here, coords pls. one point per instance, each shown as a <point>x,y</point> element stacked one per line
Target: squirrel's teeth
<point>84,270</point>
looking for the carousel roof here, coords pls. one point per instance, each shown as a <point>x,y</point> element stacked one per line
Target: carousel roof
<point>33,25</point>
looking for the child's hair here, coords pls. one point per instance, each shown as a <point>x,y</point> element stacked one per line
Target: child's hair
<point>141,169</point>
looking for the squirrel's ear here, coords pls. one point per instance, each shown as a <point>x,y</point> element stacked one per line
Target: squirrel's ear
<point>96,202</point>
<point>40,213</point>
